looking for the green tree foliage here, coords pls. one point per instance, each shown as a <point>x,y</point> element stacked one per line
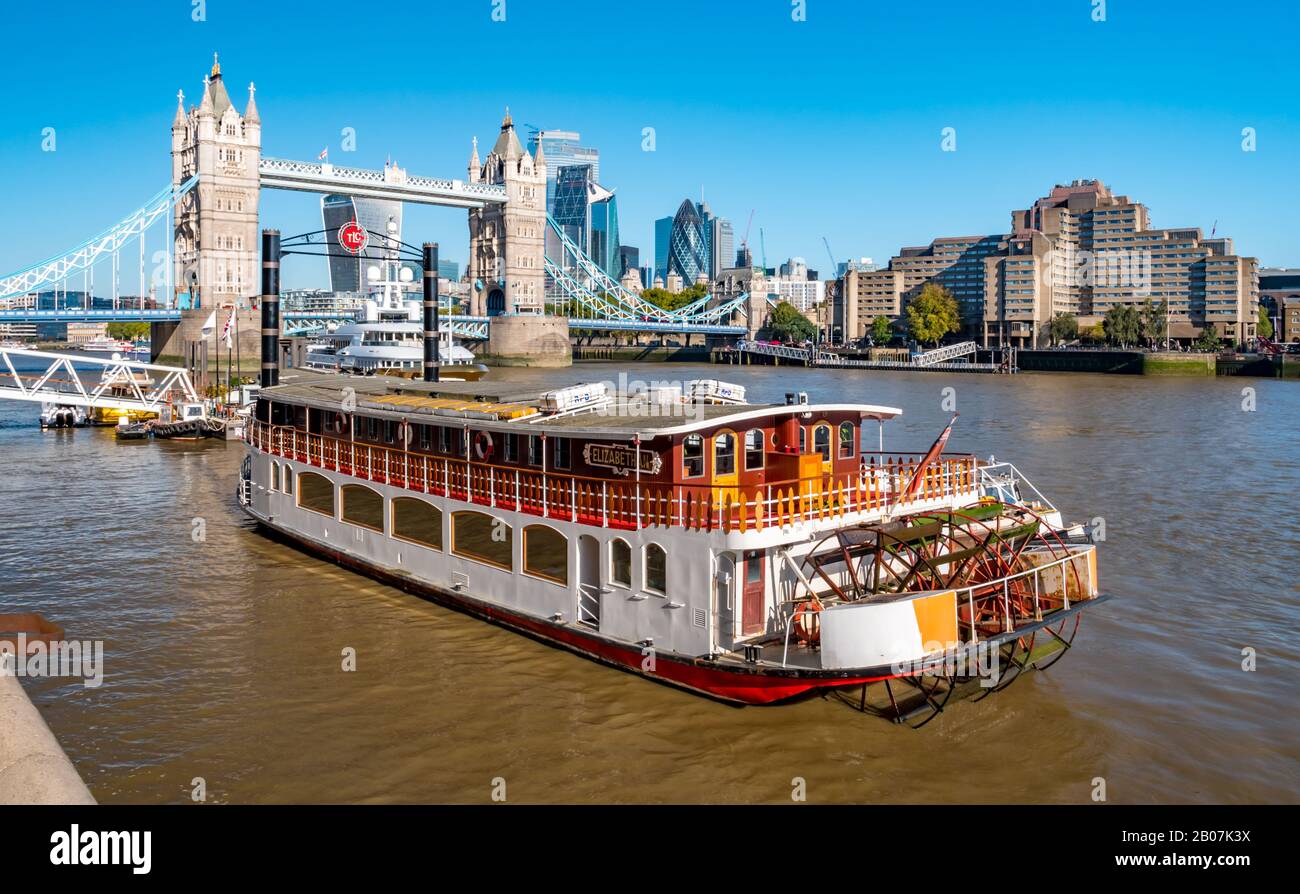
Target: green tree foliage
<point>1264,328</point>
<point>1209,339</point>
<point>128,331</point>
<point>1123,325</point>
<point>1154,318</point>
<point>1064,327</point>
<point>882,330</point>
<point>675,300</point>
<point>787,324</point>
<point>932,314</point>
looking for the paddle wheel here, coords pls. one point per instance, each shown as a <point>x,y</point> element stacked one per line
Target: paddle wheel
<point>1011,573</point>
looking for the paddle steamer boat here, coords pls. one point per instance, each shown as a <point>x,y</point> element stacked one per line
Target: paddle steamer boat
<point>753,553</point>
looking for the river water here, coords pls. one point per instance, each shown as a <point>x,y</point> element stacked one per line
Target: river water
<point>223,648</point>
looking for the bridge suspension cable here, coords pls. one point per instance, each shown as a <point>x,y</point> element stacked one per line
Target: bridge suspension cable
<point>580,282</point>
<point>107,244</point>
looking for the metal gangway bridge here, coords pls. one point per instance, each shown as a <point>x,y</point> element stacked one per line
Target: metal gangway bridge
<point>820,357</point>
<point>91,382</point>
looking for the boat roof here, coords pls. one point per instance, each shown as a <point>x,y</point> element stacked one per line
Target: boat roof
<point>505,406</point>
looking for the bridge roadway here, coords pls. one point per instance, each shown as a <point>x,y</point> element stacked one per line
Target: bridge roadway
<point>473,326</point>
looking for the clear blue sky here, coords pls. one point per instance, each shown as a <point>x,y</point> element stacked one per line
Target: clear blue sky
<point>826,127</point>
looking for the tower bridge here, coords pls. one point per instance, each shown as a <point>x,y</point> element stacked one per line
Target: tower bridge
<point>208,221</point>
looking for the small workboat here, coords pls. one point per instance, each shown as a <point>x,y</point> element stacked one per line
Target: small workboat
<point>191,424</point>
<point>132,431</point>
<point>63,416</point>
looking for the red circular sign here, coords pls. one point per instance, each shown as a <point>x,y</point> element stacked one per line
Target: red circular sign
<point>353,237</point>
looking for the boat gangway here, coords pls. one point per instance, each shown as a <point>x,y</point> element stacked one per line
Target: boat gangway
<point>822,358</point>
<point>945,353</point>
<point>82,380</point>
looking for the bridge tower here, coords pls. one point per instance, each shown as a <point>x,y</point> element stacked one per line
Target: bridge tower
<point>215,227</point>
<point>507,241</point>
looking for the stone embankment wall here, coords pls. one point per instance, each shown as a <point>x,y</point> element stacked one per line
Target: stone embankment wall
<point>33,767</point>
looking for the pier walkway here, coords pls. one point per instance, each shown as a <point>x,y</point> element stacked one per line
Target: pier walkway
<point>938,360</point>
<point>82,380</point>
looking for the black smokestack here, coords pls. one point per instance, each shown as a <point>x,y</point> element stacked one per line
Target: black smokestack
<point>270,308</point>
<point>430,263</point>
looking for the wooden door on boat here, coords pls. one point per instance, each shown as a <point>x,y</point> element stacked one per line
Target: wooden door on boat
<point>724,600</point>
<point>752,615</point>
<point>589,581</point>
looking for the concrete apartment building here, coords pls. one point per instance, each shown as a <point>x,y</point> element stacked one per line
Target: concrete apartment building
<point>1079,250</point>
<point>1279,291</point>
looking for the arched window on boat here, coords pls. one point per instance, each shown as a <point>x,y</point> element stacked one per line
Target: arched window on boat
<point>822,441</point>
<point>316,492</point>
<point>482,537</point>
<point>275,476</point>
<point>803,440</point>
<point>363,506</point>
<point>417,521</point>
<point>546,554</point>
<point>848,440</point>
<point>692,456</point>
<point>724,453</point>
<point>656,569</point>
<point>620,562</point>
<point>753,449</point>
<point>286,479</point>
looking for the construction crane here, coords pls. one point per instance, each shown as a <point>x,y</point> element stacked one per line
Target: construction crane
<point>744,243</point>
<point>830,254</point>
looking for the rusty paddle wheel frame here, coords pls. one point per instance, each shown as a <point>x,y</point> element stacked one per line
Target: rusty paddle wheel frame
<point>987,554</point>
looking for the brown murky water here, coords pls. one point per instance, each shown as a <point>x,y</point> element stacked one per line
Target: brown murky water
<point>223,656</point>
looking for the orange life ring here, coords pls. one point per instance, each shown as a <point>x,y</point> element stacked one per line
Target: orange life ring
<point>807,626</point>
<point>483,446</point>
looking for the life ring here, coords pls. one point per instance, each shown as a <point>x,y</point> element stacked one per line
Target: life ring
<point>404,432</point>
<point>483,446</point>
<point>340,422</point>
<point>807,625</point>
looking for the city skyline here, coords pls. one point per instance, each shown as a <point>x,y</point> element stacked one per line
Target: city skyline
<point>870,135</point>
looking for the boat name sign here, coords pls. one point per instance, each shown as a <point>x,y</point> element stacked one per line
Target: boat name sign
<point>620,457</point>
<point>353,237</point>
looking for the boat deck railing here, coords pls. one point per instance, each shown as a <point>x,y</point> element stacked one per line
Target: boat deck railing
<point>877,489</point>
